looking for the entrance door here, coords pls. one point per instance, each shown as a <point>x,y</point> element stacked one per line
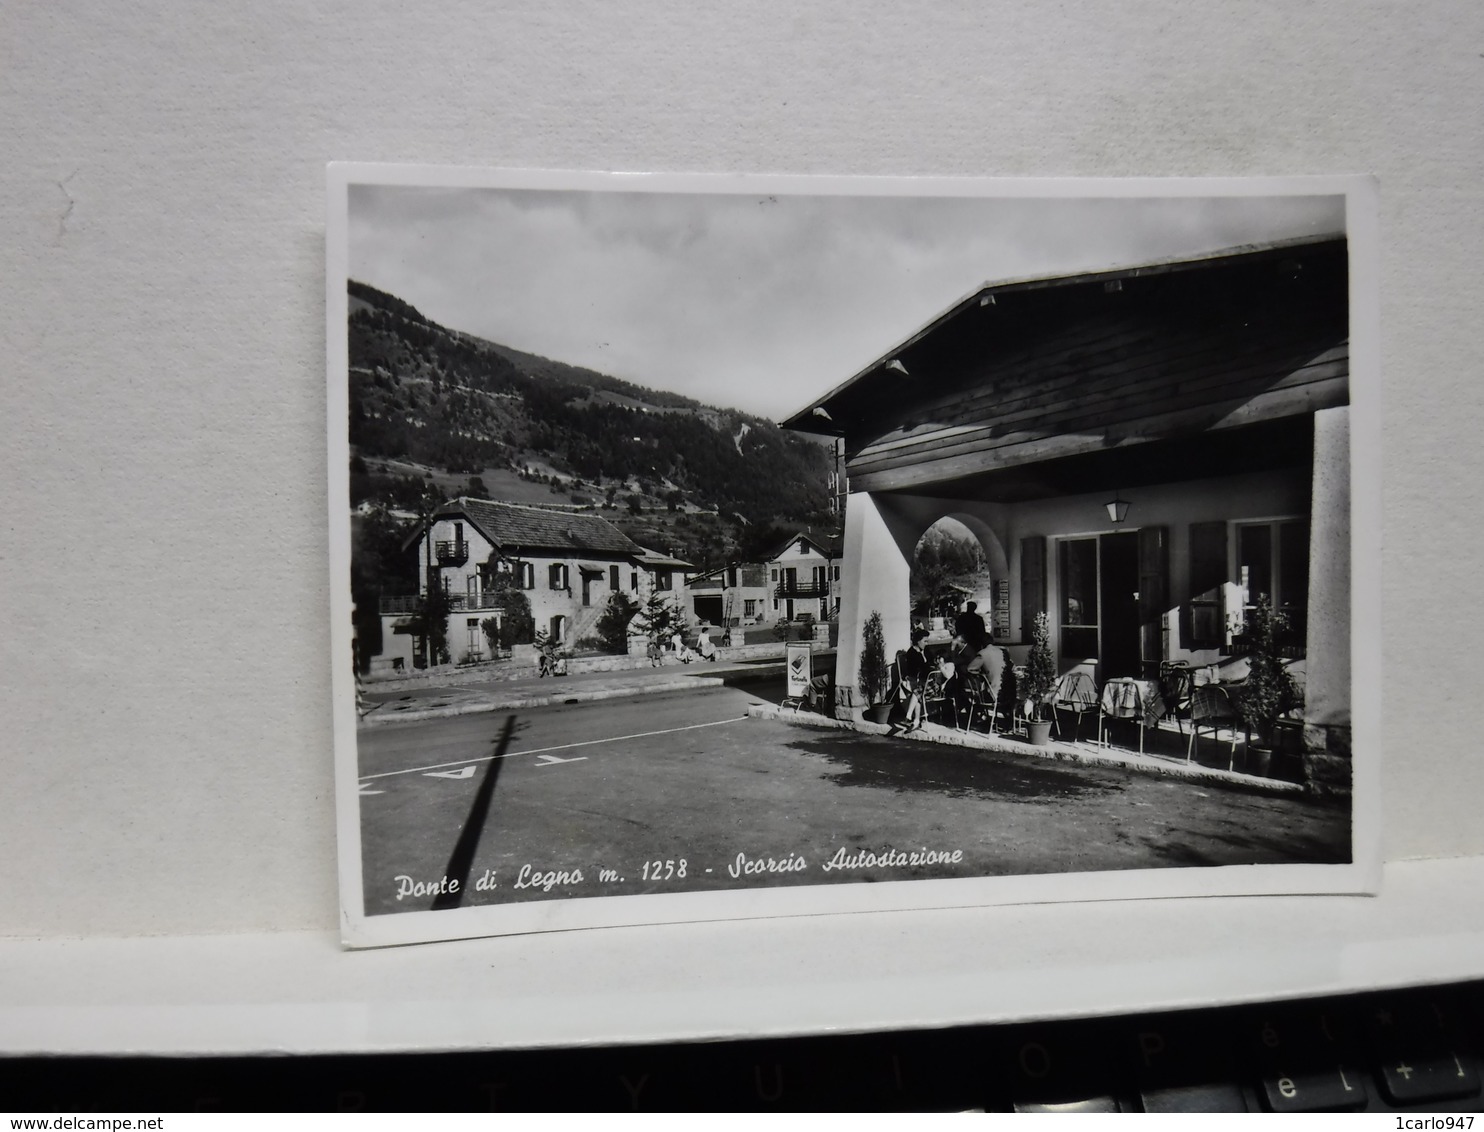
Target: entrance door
<point>1118,600</point>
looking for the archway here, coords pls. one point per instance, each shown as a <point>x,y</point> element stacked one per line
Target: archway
<point>881,534</point>
<point>949,567</point>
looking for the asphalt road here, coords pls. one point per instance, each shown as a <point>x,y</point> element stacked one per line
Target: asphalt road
<point>631,793</point>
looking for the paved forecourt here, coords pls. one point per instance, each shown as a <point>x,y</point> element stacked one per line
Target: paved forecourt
<point>682,791</point>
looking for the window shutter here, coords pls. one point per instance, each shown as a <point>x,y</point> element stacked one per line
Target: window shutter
<point>1032,583</point>
<point>1202,621</point>
<point>1154,590</point>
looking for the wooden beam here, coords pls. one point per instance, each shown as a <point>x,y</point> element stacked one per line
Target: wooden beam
<point>959,464</point>
<point>1083,419</point>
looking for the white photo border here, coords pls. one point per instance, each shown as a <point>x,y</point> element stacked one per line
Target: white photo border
<point>1361,876</point>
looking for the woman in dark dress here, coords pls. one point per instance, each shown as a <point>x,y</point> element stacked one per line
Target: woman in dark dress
<point>912,668</point>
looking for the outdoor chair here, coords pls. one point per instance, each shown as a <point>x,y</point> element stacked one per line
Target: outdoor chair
<point>1211,705</point>
<point>935,697</point>
<point>1176,685</point>
<point>981,700</point>
<point>905,690</point>
<point>1074,692</point>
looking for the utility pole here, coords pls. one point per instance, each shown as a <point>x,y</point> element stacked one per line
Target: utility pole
<point>839,483</point>
<point>426,510</point>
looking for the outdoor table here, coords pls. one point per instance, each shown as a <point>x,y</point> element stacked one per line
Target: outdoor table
<point>1128,697</point>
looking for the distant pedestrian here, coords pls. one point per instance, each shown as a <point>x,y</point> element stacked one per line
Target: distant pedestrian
<point>705,646</point>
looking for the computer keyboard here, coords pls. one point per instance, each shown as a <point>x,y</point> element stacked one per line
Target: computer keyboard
<point>1415,1050</point>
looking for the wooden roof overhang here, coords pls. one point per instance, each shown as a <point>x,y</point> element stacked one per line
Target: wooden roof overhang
<point>1050,386</point>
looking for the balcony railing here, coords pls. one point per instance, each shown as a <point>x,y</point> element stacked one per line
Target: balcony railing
<point>455,551</point>
<point>457,602</point>
<point>803,589</point>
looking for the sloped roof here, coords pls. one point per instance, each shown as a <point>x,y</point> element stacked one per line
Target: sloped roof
<point>830,421</point>
<point>827,546</point>
<point>655,558</point>
<point>520,527</point>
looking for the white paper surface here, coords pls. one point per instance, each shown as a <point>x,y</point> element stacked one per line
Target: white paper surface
<point>164,675</point>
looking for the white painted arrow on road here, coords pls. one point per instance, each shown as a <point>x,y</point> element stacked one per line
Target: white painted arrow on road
<point>462,772</point>
<point>552,760</point>
<point>366,789</point>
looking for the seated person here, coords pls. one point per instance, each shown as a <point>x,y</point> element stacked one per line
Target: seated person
<point>819,694</point>
<point>988,660</point>
<point>955,664</point>
<point>912,668</point>
<point>705,646</point>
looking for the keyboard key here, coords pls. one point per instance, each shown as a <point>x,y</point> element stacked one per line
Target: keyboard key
<point>1195,1098</point>
<point>1311,1032</point>
<point>1418,1080</point>
<point>1323,1090</point>
<point>1413,1024</point>
<point>1090,1104</point>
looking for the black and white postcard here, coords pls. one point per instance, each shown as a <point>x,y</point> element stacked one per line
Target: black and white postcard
<point>714,547</point>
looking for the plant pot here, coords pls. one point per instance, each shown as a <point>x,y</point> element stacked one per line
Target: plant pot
<point>878,713</point>
<point>1259,761</point>
<point>1039,731</point>
<point>1288,766</point>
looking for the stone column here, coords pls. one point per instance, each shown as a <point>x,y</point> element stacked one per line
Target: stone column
<point>874,576</point>
<point>1327,650</point>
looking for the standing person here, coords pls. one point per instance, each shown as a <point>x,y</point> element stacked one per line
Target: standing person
<point>970,626</point>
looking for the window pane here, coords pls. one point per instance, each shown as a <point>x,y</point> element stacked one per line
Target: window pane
<point>1293,565</point>
<point>1080,642</point>
<point>1079,582</point>
<point>1255,561</point>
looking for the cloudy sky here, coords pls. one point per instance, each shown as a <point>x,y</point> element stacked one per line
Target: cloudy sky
<point>758,303</point>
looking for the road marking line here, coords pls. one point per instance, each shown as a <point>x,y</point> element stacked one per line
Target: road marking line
<point>542,750</point>
<point>467,772</point>
<point>552,760</point>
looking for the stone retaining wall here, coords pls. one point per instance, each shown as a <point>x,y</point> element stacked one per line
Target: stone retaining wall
<point>1327,766</point>
<point>450,676</point>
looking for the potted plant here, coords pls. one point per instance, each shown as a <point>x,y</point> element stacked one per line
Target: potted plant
<point>1270,689</point>
<point>1040,679</point>
<point>873,676</point>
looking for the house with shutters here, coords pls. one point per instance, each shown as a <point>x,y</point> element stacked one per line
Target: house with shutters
<point>567,563</point>
<point>1142,452</point>
<point>804,579</point>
